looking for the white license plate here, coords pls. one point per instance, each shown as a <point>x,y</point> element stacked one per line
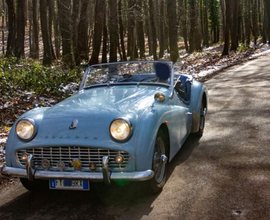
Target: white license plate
<point>69,184</point>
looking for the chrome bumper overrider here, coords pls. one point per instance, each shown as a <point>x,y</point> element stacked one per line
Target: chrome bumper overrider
<point>38,174</point>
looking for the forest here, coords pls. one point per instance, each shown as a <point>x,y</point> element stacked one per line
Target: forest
<point>95,31</point>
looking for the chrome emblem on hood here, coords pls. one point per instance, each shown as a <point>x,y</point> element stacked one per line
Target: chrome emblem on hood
<point>74,124</point>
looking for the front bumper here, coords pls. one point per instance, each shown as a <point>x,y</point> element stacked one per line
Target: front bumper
<point>94,176</point>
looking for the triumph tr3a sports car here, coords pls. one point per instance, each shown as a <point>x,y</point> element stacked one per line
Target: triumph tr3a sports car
<point>127,122</point>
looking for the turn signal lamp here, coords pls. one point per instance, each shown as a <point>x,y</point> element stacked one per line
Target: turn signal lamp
<point>24,157</point>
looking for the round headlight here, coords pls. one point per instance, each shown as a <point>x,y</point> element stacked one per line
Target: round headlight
<point>120,129</point>
<point>25,129</point>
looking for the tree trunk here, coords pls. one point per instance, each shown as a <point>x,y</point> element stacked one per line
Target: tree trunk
<point>51,17</point>
<point>247,22</point>
<point>47,52</point>
<point>19,46</point>
<point>140,31</point>
<point>64,11</point>
<point>255,20</point>
<point>153,29</point>
<point>193,26</point>
<point>99,14</point>
<point>35,36</point>
<point>205,23</point>
<point>173,37</point>
<point>11,28</point>
<point>105,38</point>
<point>74,32</point>
<point>148,27</point>
<point>131,30</point>
<point>161,29</point>
<point>267,10</point>
<point>57,37</point>
<point>265,26</point>
<point>234,25</point>
<point>121,30</point>
<point>83,47</point>
<point>227,28</point>
<point>113,28</point>
<point>183,21</point>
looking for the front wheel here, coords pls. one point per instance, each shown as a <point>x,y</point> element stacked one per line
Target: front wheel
<point>36,185</point>
<point>159,164</point>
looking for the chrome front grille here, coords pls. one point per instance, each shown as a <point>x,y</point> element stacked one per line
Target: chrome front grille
<point>88,156</point>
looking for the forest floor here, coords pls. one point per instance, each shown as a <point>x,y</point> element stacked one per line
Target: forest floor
<point>201,65</point>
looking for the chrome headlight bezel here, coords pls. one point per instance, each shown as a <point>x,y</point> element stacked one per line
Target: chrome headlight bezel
<point>125,121</point>
<point>34,130</point>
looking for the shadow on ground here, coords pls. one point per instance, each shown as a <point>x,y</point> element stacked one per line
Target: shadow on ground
<point>93,204</point>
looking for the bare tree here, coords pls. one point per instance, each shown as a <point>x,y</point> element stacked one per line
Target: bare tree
<point>83,48</point>
<point>99,15</point>
<point>140,31</point>
<point>64,11</point>
<point>19,45</point>
<point>153,29</point>
<point>173,37</point>
<point>234,25</point>
<point>227,28</point>
<point>113,28</point>
<point>35,39</point>
<point>47,52</point>
<point>11,27</point>
<point>121,30</point>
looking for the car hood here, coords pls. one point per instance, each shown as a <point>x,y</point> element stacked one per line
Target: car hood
<point>116,100</point>
<point>95,108</point>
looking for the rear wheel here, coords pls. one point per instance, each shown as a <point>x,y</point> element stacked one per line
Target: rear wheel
<point>36,185</point>
<point>202,120</point>
<point>159,165</point>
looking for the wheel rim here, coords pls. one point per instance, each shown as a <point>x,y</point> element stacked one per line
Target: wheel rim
<point>202,117</point>
<point>158,164</point>
<point>202,122</point>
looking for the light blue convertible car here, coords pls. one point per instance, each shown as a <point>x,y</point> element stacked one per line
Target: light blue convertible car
<point>127,122</point>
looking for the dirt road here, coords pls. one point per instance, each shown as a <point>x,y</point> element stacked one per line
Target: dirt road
<point>223,175</point>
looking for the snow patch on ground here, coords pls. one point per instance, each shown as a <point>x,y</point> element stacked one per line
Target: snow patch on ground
<point>202,65</point>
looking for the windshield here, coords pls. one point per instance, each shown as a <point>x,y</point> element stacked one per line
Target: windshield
<point>129,72</point>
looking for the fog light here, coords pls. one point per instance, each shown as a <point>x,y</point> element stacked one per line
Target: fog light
<point>24,157</point>
<point>119,159</point>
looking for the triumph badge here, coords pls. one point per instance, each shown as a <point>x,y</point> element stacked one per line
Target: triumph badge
<point>74,124</point>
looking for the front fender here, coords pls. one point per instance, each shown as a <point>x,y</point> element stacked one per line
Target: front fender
<point>35,114</point>
<point>147,129</point>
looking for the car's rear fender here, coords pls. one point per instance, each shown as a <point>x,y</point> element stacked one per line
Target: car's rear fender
<point>199,93</point>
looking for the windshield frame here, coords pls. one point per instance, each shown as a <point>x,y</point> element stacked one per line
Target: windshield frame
<point>171,85</point>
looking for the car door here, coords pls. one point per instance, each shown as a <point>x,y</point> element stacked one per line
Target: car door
<point>183,101</point>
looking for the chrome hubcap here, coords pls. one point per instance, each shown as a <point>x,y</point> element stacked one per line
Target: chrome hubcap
<point>202,122</point>
<point>160,160</point>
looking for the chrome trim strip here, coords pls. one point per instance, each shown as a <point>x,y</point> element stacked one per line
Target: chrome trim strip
<point>125,62</point>
<point>172,82</point>
<point>130,176</point>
